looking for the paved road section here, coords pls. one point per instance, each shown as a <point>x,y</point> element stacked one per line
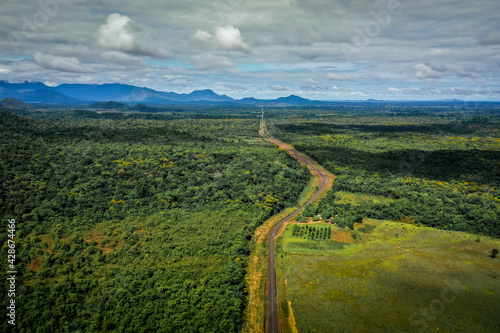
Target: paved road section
<point>272,297</point>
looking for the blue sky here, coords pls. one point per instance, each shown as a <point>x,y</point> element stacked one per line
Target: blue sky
<point>318,49</point>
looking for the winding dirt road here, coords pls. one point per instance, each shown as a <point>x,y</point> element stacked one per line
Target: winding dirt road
<point>272,297</point>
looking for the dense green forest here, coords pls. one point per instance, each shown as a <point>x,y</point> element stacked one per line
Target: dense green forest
<point>137,223</point>
<point>440,168</point>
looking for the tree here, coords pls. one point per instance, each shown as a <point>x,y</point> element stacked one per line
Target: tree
<point>309,211</point>
<point>301,219</point>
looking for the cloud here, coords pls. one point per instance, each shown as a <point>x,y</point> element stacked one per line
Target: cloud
<point>491,38</point>
<point>281,43</point>
<point>65,64</point>
<point>121,58</point>
<point>339,77</point>
<point>410,91</point>
<point>428,72</point>
<point>121,33</point>
<point>202,35</point>
<point>453,91</point>
<point>315,88</point>
<point>466,72</point>
<point>230,38</point>
<point>211,61</point>
<point>236,87</point>
<point>310,82</point>
<point>277,87</point>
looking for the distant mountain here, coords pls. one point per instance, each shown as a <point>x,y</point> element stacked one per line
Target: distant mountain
<point>36,92</point>
<point>294,100</point>
<point>13,104</point>
<point>454,100</point>
<point>208,96</point>
<point>106,92</point>
<point>23,86</point>
<point>46,97</point>
<point>290,100</point>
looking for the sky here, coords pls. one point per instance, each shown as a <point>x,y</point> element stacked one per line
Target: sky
<point>317,49</point>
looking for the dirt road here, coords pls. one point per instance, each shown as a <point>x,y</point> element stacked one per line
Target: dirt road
<point>272,297</point>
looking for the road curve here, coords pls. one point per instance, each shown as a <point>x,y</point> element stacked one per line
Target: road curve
<point>272,298</point>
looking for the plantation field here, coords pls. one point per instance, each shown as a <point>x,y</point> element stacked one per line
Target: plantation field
<point>309,244</point>
<point>399,278</point>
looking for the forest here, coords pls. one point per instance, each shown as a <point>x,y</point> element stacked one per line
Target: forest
<point>137,223</point>
<point>440,168</point>
<point>140,222</point>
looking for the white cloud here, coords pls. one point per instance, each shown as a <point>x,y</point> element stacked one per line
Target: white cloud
<point>230,38</point>
<point>210,61</point>
<point>428,72</point>
<point>277,87</point>
<point>121,33</point>
<point>65,64</point>
<point>202,35</point>
<point>311,82</point>
<point>405,90</point>
<point>121,58</point>
<point>339,77</point>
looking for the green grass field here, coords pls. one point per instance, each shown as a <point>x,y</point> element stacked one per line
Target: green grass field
<point>400,278</point>
<point>358,198</point>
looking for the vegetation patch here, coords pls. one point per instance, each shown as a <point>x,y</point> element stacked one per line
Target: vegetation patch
<point>359,198</point>
<point>136,222</point>
<point>391,276</point>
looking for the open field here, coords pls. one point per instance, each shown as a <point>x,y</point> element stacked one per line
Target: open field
<point>423,171</point>
<point>401,278</point>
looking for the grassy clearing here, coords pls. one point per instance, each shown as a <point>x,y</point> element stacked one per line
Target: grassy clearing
<point>359,198</point>
<point>400,278</point>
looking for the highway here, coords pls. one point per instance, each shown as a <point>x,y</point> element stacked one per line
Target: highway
<point>272,292</point>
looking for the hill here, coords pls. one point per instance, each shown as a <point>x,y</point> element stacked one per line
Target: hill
<point>13,104</point>
<point>111,105</point>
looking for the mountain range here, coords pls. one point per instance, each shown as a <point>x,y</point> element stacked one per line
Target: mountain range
<point>39,93</point>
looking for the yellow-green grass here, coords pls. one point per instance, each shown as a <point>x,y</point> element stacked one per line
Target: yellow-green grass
<point>403,278</point>
<point>358,198</point>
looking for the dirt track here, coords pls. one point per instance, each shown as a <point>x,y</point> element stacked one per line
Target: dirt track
<point>272,297</point>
